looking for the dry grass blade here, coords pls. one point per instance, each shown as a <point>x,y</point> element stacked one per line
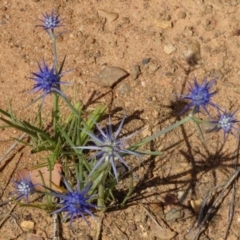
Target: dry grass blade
<point>231,207</point>
<point>99,227</point>
<point>161,231</point>
<point>12,147</point>
<point>231,211</point>
<point>7,215</point>
<point>55,227</point>
<point>221,191</point>
<point>150,215</point>
<point>4,203</point>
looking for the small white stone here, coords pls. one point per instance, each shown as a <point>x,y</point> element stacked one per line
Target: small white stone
<point>169,48</point>
<point>110,16</point>
<point>27,225</point>
<point>146,132</point>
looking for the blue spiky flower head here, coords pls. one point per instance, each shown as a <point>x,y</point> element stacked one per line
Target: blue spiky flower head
<point>110,147</point>
<point>75,203</point>
<point>226,121</point>
<point>200,96</point>
<point>23,188</point>
<point>50,21</point>
<point>46,80</point>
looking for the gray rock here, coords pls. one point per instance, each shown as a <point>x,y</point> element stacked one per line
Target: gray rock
<point>124,88</point>
<point>135,72</point>
<point>84,237</point>
<point>110,76</point>
<point>174,214</point>
<point>145,61</point>
<point>133,227</point>
<point>192,52</point>
<point>187,32</point>
<point>152,67</point>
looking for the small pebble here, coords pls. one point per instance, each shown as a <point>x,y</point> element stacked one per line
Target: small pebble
<point>163,24</point>
<point>110,16</point>
<point>208,9</point>
<point>174,214</point>
<point>181,15</point>
<point>27,225</point>
<point>196,205</point>
<point>167,18</point>
<point>153,66</point>
<point>90,40</point>
<point>133,227</point>
<point>187,32</point>
<point>34,237</point>
<point>60,38</point>
<point>146,132</point>
<point>192,49</point>
<point>145,61</point>
<point>124,88</point>
<point>3,22</point>
<point>135,72</point>
<point>169,48</point>
<point>84,237</point>
<point>110,76</point>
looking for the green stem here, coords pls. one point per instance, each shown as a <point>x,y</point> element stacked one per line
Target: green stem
<point>101,188</point>
<point>165,130</point>
<point>80,168</point>
<point>101,196</point>
<point>54,47</point>
<point>73,109</point>
<point>55,114</point>
<point>131,187</point>
<point>56,97</point>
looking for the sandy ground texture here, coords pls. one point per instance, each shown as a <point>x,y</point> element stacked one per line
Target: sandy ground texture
<point>162,45</point>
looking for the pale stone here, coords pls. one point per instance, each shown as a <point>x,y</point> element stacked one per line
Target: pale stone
<point>110,16</point>
<point>169,48</point>
<point>27,225</point>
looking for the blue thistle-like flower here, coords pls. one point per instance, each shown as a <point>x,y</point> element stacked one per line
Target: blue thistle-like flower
<point>24,188</point>
<point>47,80</point>
<point>226,121</point>
<point>50,21</point>
<point>200,96</point>
<point>110,147</point>
<point>74,202</point>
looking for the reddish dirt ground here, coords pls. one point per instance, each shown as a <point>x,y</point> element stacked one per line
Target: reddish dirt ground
<point>171,42</point>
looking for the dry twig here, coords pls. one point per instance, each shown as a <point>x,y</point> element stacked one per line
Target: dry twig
<point>7,215</point>
<point>222,191</point>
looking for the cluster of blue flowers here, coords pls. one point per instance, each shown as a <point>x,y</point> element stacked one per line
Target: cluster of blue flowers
<point>200,97</point>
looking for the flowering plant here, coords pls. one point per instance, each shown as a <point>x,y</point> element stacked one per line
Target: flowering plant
<point>93,151</point>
